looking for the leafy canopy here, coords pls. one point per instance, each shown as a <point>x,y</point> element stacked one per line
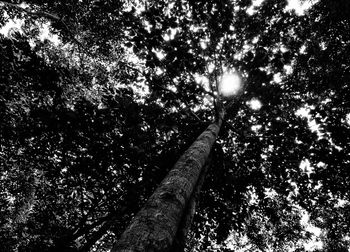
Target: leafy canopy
<point>92,122</point>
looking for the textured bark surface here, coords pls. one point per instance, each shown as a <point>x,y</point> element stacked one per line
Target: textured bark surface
<point>179,243</point>
<point>155,226</point>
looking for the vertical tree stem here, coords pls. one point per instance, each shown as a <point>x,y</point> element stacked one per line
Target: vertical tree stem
<point>185,225</point>
<point>155,226</point>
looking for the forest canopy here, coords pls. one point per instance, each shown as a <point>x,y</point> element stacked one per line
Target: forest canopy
<point>99,99</point>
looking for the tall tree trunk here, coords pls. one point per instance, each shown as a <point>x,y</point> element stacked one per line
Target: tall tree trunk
<point>179,243</point>
<point>155,226</point>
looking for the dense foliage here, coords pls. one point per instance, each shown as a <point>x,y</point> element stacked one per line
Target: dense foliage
<point>93,121</point>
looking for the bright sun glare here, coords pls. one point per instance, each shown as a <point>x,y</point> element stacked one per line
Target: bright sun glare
<point>254,104</point>
<point>229,85</point>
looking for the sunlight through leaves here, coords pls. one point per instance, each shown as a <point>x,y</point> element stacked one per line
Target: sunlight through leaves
<point>230,84</point>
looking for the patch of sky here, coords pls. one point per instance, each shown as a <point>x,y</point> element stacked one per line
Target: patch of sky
<point>299,7</point>
<point>254,104</point>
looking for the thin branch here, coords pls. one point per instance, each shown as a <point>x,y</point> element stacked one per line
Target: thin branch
<point>218,104</point>
<point>208,92</point>
<point>96,235</point>
<point>211,86</point>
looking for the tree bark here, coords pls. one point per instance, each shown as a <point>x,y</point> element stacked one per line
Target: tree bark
<point>155,226</point>
<point>179,243</point>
